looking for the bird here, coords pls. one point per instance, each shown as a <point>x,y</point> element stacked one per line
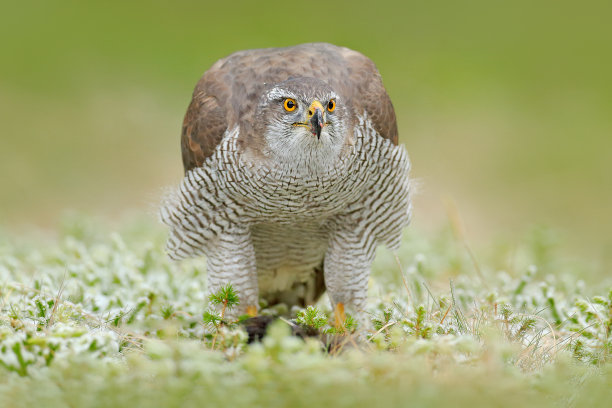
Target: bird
<point>293,177</point>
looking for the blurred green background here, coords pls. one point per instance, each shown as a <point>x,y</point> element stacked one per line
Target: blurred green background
<point>505,106</point>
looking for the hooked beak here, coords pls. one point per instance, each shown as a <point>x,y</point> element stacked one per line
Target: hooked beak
<point>316,118</point>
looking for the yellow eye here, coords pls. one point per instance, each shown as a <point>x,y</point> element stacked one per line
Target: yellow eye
<point>331,105</point>
<point>289,105</point>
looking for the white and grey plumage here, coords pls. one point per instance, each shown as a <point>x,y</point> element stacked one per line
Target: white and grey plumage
<point>287,199</point>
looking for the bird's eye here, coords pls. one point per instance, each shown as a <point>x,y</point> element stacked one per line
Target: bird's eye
<point>331,105</point>
<point>289,104</point>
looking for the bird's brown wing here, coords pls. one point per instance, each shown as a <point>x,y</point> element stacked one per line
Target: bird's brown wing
<point>380,110</point>
<point>203,128</point>
<point>368,93</point>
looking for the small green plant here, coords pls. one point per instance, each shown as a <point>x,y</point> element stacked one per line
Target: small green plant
<point>344,326</point>
<point>226,298</point>
<point>312,317</point>
<point>419,325</point>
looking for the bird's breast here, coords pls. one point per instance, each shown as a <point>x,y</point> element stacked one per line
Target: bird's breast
<point>289,197</point>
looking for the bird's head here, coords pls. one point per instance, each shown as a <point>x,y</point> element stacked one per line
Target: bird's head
<point>304,122</point>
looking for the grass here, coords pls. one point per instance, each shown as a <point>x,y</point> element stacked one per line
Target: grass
<point>98,318</point>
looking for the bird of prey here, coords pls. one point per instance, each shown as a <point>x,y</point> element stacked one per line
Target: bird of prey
<point>293,176</point>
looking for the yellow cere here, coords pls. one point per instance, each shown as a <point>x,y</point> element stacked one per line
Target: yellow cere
<point>313,107</point>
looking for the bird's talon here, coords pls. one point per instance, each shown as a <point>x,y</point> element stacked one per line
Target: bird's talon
<point>251,310</point>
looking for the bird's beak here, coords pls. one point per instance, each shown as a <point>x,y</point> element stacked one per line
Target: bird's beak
<point>316,118</point>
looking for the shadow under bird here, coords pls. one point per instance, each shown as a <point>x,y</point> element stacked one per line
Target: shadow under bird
<point>293,176</point>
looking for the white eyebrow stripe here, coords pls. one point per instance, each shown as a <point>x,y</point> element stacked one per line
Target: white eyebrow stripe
<point>280,93</point>
<point>277,93</point>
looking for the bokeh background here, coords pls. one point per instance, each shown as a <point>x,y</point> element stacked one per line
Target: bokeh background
<point>504,106</point>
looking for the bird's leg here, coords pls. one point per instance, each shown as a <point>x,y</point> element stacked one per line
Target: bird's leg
<point>233,261</point>
<point>347,271</point>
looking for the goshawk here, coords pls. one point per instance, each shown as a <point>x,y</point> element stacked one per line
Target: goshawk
<point>293,176</point>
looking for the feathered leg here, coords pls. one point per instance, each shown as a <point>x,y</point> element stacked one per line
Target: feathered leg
<point>347,271</point>
<point>233,261</point>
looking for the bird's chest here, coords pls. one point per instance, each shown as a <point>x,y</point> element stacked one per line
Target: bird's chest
<point>289,197</point>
